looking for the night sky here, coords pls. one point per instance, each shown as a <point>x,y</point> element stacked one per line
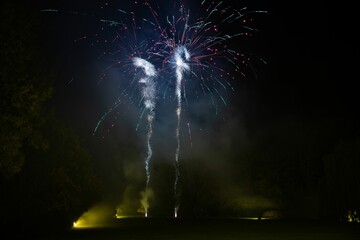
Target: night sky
<point>293,38</point>
<point>277,127</point>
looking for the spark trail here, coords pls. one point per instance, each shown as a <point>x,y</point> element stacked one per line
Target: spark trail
<point>149,94</point>
<point>181,55</point>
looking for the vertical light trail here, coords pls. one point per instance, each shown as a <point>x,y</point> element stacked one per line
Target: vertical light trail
<point>149,94</point>
<point>181,55</point>
<point>189,130</point>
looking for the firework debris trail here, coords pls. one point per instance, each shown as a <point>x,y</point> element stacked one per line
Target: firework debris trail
<point>149,94</point>
<point>181,55</point>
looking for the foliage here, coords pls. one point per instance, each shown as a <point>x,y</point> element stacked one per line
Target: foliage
<point>45,171</point>
<point>57,183</point>
<point>23,87</point>
<point>341,183</point>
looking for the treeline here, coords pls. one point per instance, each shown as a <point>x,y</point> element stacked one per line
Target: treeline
<point>46,174</point>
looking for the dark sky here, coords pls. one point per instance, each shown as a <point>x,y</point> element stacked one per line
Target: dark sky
<point>294,39</point>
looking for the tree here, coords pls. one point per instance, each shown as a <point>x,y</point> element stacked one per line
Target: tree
<point>57,183</point>
<point>23,87</point>
<point>341,183</point>
<point>45,172</point>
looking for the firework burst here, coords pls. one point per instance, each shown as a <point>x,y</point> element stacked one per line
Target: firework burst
<point>182,54</point>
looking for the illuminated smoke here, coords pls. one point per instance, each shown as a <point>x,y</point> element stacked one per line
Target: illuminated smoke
<point>149,94</point>
<point>146,197</point>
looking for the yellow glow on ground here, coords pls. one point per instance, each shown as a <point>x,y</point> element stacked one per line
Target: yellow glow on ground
<point>121,216</point>
<point>97,216</point>
<point>254,218</point>
<point>84,223</point>
<point>127,216</point>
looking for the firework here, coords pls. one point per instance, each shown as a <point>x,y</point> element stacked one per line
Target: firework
<point>149,93</point>
<point>182,55</point>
